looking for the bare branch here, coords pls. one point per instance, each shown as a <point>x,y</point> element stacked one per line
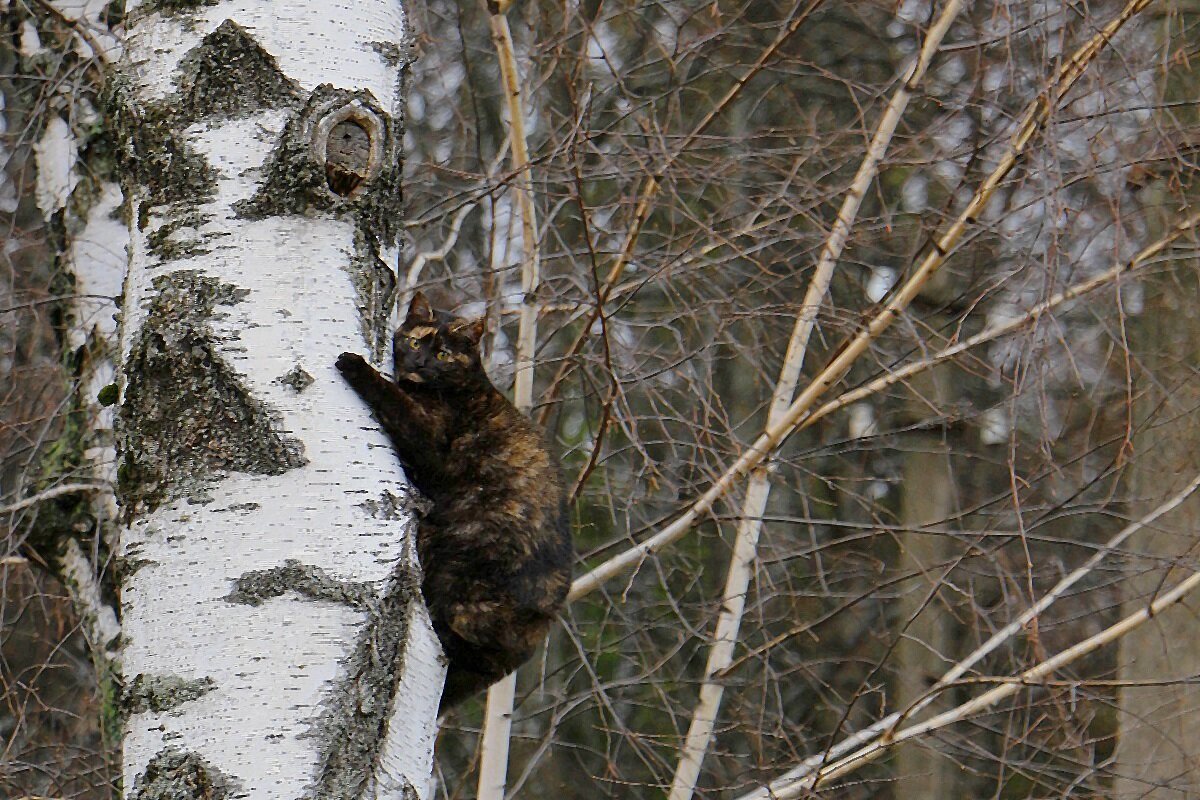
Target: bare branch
<point>51,494</point>
<point>497,725</point>
<point>785,789</point>
<point>1036,115</point>
<point>955,674</point>
<point>741,564</point>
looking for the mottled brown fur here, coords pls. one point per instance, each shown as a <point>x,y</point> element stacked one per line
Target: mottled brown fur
<point>495,546</point>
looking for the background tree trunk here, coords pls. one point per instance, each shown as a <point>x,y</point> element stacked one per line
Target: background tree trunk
<point>925,649</point>
<point>1158,752</point>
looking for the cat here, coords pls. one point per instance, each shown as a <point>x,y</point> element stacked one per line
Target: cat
<point>495,545</point>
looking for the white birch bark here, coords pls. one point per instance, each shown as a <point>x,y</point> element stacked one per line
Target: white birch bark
<point>275,641</point>
<point>81,203</point>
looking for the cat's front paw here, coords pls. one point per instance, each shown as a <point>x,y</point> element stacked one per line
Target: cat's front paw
<point>349,363</point>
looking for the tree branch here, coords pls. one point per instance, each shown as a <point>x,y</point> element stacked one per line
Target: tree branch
<point>497,726</point>
<point>51,494</point>
<point>1035,116</point>
<point>787,788</point>
<point>741,564</point>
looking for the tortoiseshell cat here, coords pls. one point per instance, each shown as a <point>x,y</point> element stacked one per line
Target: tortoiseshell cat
<point>495,547</point>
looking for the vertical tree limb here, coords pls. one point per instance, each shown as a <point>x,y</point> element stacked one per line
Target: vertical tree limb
<point>741,564</point>
<point>497,724</point>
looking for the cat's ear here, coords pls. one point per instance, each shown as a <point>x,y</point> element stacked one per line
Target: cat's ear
<point>475,329</point>
<point>419,309</point>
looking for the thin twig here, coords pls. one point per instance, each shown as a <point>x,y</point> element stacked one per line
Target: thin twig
<point>652,183</point>
<point>789,789</point>
<point>413,276</point>
<point>954,675</point>
<point>994,332</point>
<point>79,26</point>
<point>439,253</point>
<point>51,494</point>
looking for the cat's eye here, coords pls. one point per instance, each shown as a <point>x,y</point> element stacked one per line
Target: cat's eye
<point>443,355</point>
<point>413,344</point>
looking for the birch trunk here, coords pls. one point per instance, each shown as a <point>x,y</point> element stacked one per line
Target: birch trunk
<point>275,641</point>
<point>75,531</point>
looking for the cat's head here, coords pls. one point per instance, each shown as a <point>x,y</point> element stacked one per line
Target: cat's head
<point>436,349</point>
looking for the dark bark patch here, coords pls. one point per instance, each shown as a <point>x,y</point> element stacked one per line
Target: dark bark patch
<point>174,774</point>
<point>151,149</point>
<point>126,566</point>
<point>185,413</point>
<point>353,726</point>
<point>167,246</point>
<point>178,6</point>
<point>254,587</point>
<point>374,292</point>
<point>297,378</point>
<point>298,180</point>
<point>230,74</point>
<point>160,693</point>
<point>395,54</point>
<point>396,507</point>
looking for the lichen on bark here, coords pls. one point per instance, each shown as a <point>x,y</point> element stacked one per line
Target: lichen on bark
<point>150,150</point>
<point>185,413</point>
<point>352,729</point>
<point>230,74</point>
<point>374,290</point>
<point>181,218</point>
<point>297,378</point>
<point>296,182</point>
<point>255,586</point>
<point>171,7</point>
<point>175,774</point>
<point>160,693</point>
<point>353,725</point>
<point>398,507</point>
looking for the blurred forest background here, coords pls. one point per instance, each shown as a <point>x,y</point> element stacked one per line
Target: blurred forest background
<point>688,162</point>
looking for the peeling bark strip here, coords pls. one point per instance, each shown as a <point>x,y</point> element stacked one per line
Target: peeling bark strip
<point>353,727</point>
<point>185,413</point>
<point>160,693</point>
<point>176,775</point>
<point>311,582</point>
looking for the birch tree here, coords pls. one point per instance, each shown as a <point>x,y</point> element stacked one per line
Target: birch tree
<point>274,640</point>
